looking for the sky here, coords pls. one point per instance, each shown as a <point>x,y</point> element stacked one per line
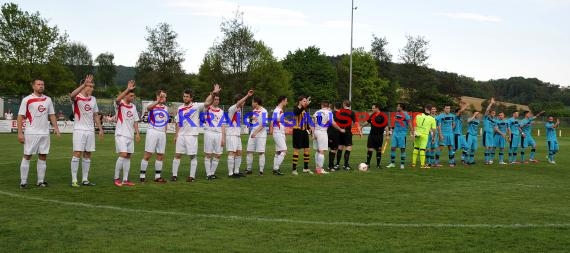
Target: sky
<point>483,39</point>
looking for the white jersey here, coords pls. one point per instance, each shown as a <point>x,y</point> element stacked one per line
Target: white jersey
<point>278,126</point>
<point>126,117</point>
<point>83,110</point>
<point>322,119</point>
<point>257,120</point>
<point>158,118</point>
<point>212,118</point>
<point>186,113</point>
<point>234,115</point>
<point>36,111</point>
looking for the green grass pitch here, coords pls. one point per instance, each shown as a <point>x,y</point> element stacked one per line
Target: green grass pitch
<point>520,208</point>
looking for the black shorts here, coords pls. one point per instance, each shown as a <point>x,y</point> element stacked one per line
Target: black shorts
<point>300,139</point>
<point>375,141</point>
<point>345,139</point>
<point>333,139</point>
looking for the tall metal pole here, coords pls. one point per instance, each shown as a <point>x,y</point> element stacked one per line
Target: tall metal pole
<point>350,71</point>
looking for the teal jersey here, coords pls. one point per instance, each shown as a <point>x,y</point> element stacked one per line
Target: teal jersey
<point>514,125</point>
<point>489,124</point>
<point>502,125</point>
<point>473,128</point>
<point>401,123</point>
<point>446,122</point>
<point>550,131</point>
<point>458,128</point>
<point>526,125</point>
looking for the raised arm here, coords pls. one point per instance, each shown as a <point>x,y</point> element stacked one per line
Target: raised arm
<point>491,103</point>
<point>474,116</point>
<point>210,98</point>
<point>74,93</point>
<point>242,101</point>
<point>130,86</point>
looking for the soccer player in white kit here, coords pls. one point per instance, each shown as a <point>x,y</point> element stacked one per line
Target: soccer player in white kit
<point>85,114</point>
<point>233,135</point>
<point>213,137</point>
<point>323,119</point>
<point>35,109</point>
<point>186,137</point>
<point>257,137</point>
<point>155,141</point>
<point>277,129</point>
<point>126,131</point>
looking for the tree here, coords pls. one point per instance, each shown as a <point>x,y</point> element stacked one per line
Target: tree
<point>312,74</point>
<point>367,87</point>
<point>78,59</point>
<point>106,69</point>
<point>161,63</point>
<point>27,38</point>
<point>415,51</point>
<point>240,62</point>
<point>379,50</point>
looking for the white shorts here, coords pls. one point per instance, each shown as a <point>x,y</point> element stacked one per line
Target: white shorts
<point>36,144</point>
<point>256,144</point>
<point>322,140</point>
<point>233,143</point>
<point>187,144</point>
<point>213,143</point>
<point>124,144</point>
<point>280,141</point>
<point>155,141</point>
<point>83,140</point>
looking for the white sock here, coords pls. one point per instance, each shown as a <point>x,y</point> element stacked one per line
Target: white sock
<point>144,166</point>
<point>215,163</point>
<point>175,165</point>
<point>118,167</point>
<point>249,161</point>
<point>24,170</point>
<point>74,168</point>
<point>126,168</point>
<point>85,166</point>
<point>278,160</point>
<point>42,166</point>
<point>193,165</point>
<point>261,162</point>
<point>157,169</point>
<point>237,164</point>
<point>320,160</point>
<point>231,162</point>
<point>208,165</point>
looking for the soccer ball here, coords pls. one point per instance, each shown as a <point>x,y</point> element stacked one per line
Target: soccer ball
<point>363,167</point>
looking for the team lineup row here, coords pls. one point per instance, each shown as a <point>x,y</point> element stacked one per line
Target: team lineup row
<point>332,133</point>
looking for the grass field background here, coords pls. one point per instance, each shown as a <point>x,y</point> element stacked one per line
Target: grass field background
<point>520,208</point>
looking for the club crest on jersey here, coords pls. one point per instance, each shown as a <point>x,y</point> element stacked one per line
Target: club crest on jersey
<point>129,114</point>
<point>87,108</point>
<point>41,108</point>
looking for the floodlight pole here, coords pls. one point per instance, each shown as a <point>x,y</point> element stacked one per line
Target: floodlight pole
<point>350,68</point>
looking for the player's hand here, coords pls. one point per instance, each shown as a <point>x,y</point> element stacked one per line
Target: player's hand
<point>101,135</point>
<point>557,121</point>
<point>175,137</point>
<point>253,135</point>
<point>131,85</point>
<point>342,130</point>
<point>441,137</point>
<point>492,100</point>
<point>250,93</point>
<point>88,79</point>
<point>138,138</point>
<point>360,135</point>
<point>223,143</point>
<point>21,138</point>
<point>57,133</point>
<point>217,88</point>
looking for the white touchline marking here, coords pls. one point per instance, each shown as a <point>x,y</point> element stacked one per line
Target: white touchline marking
<point>284,220</point>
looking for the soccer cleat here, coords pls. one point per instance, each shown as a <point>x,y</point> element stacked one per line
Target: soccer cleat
<point>502,163</point>
<point>214,177</point>
<point>42,184</point>
<point>173,178</point>
<point>143,180</point>
<point>438,165</point>
<point>378,167</point>
<point>261,173</point>
<point>241,174</point>
<point>347,167</point>
<point>425,166</point>
<point>533,160</point>
<point>552,162</point>
<point>336,167</point>
<point>235,175</point>
<point>23,186</point>
<point>413,165</point>
<point>295,173</point>
<point>248,172</point>
<point>87,183</point>
<point>491,162</point>
<point>321,171</point>
<point>452,165</point>
<point>514,163</point>
<point>391,165</point>
<point>209,178</point>
<point>465,163</point>
<point>278,173</point>
<point>118,183</point>
<point>401,166</point>
<point>75,185</point>
<point>128,183</point>
<point>190,179</point>
<point>159,180</point>
<point>308,171</point>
